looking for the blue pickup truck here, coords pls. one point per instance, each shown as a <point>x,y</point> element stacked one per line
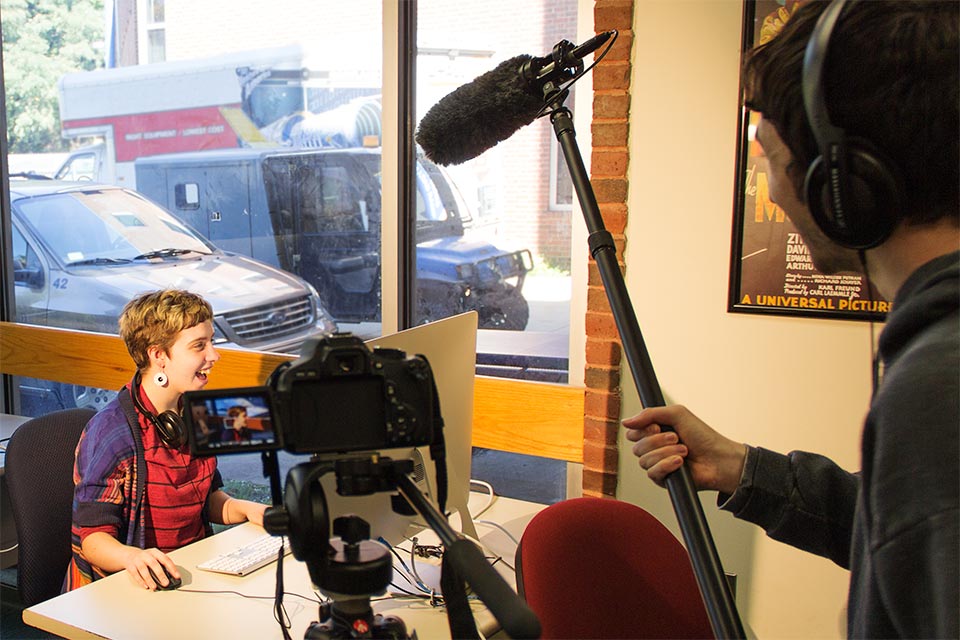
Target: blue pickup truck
<point>316,213</point>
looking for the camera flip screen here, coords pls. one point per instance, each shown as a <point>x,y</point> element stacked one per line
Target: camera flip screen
<point>230,421</point>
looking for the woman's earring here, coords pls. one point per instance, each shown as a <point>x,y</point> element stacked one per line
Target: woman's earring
<point>160,378</point>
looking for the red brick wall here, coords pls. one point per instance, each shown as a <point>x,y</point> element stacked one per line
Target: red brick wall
<point>608,164</point>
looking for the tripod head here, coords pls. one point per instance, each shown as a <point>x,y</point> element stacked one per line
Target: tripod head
<point>348,568</point>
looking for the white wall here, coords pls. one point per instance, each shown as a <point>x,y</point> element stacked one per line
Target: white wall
<point>785,383</point>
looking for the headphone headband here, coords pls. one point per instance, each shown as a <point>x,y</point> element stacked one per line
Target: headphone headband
<point>814,97</point>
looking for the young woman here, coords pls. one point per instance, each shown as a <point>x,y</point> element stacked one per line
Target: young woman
<point>139,493</point>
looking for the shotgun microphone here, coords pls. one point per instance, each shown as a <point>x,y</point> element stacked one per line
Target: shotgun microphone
<point>491,108</point>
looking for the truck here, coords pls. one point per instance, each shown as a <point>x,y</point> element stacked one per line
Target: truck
<point>316,213</point>
<point>81,251</point>
<point>217,140</point>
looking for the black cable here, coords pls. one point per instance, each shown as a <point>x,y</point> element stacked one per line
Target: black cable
<point>875,364</point>
<point>279,612</point>
<point>422,596</point>
<point>247,595</point>
<point>546,109</point>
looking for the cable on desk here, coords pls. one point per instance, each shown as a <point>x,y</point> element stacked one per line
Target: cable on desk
<point>312,599</point>
<point>279,612</point>
<point>413,561</point>
<point>436,551</point>
<point>490,496</point>
<point>488,553</point>
<point>499,526</point>
<point>397,587</point>
<point>410,575</point>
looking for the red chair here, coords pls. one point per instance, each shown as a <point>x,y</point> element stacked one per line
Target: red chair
<point>602,568</point>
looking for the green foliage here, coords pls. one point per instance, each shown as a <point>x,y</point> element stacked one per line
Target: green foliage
<point>546,266</point>
<point>42,40</point>
<point>244,490</point>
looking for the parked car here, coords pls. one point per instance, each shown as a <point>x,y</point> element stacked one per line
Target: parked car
<point>81,251</point>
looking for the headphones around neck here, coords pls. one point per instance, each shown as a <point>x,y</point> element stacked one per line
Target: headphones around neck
<point>169,424</point>
<point>851,189</point>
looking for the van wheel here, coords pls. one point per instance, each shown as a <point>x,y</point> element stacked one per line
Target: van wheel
<point>507,310</point>
<point>84,397</point>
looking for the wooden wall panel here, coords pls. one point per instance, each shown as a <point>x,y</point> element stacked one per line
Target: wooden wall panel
<point>509,415</point>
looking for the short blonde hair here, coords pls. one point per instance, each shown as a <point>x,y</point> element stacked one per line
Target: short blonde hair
<point>155,319</point>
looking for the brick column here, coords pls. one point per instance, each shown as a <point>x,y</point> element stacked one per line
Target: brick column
<point>609,161</point>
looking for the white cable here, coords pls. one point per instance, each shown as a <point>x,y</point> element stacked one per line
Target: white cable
<point>9,549</point>
<point>490,496</point>
<point>499,526</point>
<point>489,553</point>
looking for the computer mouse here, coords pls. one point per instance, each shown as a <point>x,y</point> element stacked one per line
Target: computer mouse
<point>172,583</point>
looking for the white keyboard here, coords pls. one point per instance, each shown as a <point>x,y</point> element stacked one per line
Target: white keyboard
<point>257,553</point>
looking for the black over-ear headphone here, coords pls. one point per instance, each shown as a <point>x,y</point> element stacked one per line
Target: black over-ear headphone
<point>851,189</point>
<point>169,424</point>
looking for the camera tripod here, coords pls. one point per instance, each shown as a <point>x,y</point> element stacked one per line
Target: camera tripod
<point>352,569</point>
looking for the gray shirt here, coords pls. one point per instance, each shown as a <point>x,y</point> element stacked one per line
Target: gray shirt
<point>894,524</point>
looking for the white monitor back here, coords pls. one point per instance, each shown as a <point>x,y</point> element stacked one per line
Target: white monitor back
<point>450,345</point>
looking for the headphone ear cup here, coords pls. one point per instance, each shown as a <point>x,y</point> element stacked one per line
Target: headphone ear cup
<point>170,428</point>
<point>871,198</point>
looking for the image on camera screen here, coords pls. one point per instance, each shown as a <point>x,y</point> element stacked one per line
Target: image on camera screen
<point>230,421</point>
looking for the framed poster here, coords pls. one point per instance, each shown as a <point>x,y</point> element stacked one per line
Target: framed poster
<point>771,270</point>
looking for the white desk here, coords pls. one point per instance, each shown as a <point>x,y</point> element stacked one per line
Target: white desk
<point>8,529</point>
<point>115,608</point>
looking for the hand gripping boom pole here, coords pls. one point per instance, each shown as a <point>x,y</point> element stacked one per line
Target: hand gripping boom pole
<point>714,588</point>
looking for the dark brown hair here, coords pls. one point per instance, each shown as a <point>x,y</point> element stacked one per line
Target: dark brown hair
<point>892,78</point>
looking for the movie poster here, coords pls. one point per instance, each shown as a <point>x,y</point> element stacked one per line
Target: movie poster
<point>771,268</point>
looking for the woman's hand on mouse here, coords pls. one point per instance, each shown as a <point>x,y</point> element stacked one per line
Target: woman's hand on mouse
<point>142,562</point>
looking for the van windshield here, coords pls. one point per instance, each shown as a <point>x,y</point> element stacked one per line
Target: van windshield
<point>106,227</point>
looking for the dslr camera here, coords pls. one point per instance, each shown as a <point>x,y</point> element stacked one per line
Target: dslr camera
<point>337,397</point>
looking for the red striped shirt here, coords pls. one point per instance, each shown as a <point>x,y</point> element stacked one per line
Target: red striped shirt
<point>177,488</point>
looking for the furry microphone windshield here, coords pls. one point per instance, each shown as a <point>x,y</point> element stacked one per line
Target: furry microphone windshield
<point>480,114</point>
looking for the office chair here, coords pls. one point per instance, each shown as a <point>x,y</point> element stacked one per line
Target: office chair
<point>602,568</point>
<point>38,468</point>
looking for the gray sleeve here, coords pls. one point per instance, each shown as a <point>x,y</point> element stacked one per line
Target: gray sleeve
<point>802,499</point>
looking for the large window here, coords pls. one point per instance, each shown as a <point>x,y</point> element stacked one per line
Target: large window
<point>514,201</point>
<point>260,129</point>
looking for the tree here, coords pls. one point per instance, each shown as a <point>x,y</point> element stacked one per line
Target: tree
<point>42,40</point>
